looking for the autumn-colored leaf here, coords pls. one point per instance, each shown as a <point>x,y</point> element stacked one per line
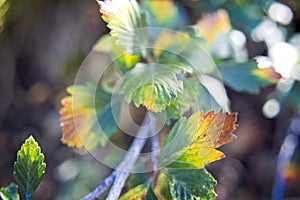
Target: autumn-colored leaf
<point>268,74</point>
<point>140,192</point>
<point>192,142</point>
<point>87,106</point>
<point>213,24</point>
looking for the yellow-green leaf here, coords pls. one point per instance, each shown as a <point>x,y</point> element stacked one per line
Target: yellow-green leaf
<point>192,142</point>
<point>190,184</point>
<point>86,116</point>
<point>29,168</point>
<point>9,192</point>
<point>151,85</point>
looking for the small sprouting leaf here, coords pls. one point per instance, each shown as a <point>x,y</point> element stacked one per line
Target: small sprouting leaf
<point>196,139</point>
<point>9,192</point>
<point>29,168</point>
<point>124,19</point>
<point>152,85</point>
<point>190,184</point>
<point>87,106</point>
<point>246,77</point>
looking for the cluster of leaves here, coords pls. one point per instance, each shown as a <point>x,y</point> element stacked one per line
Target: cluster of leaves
<point>164,71</point>
<point>29,170</point>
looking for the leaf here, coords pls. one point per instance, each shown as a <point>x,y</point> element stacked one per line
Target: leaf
<point>212,25</point>
<point>9,192</point>
<point>125,18</point>
<point>140,192</point>
<point>190,184</point>
<point>122,61</point>
<point>87,106</point>
<point>162,189</point>
<point>191,142</point>
<point>152,85</point>
<point>180,50</point>
<point>29,168</point>
<point>246,77</point>
<point>173,17</point>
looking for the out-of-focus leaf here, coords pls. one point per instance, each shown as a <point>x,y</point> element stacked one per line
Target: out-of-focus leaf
<point>173,17</point>
<point>122,61</point>
<point>190,184</point>
<point>87,106</point>
<point>246,77</point>
<point>151,85</point>
<point>9,192</point>
<point>180,50</point>
<point>29,168</point>
<point>191,142</point>
<point>124,19</point>
<point>211,26</point>
<point>135,179</point>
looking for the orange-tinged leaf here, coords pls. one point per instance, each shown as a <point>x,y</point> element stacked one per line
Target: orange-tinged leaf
<point>82,112</point>
<point>192,142</point>
<point>268,74</point>
<point>212,25</point>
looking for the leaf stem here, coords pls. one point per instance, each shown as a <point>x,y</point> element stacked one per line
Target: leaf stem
<point>120,175</point>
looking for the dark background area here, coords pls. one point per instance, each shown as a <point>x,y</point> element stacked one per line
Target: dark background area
<point>43,44</point>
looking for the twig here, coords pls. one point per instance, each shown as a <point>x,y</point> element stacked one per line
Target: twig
<point>120,175</point>
<point>129,160</point>
<point>102,187</point>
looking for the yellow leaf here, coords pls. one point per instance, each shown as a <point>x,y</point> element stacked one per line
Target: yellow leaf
<point>197,138</point>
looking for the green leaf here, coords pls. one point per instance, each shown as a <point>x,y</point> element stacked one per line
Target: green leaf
<point>150,194</point>
<point>9,192</point>
<point>121,60</point>
<point>151,85</point>
<point>192,142</point>
<point>246,77</point>
<point>87,116</point>
<point>190,184</point>
<point>29,168</point>
<point>125,18</point>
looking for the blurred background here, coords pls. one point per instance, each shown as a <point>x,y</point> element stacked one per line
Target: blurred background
<point>43,43</point>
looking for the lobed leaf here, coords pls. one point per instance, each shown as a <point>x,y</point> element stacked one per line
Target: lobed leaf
<point>151,85</point>
<point>124,18</point>
<point>29,168</point>
<point>87,106</point>
<point>246,77</point>
<point>190,184</point>
<point>191,142</point>
<point>9,192</point>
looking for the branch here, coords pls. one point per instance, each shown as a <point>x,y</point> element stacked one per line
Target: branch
<point>120,175</point>
<point>130,158</point>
